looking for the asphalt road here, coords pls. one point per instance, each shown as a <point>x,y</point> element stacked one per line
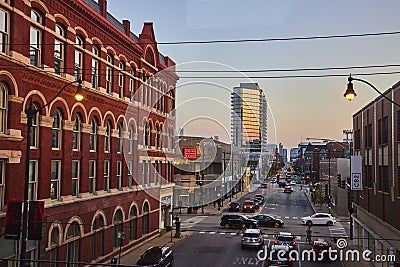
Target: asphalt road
<point>210,245</point>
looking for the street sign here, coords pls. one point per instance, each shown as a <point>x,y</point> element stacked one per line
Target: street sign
<point>356,173</point>
<point>190,153</point>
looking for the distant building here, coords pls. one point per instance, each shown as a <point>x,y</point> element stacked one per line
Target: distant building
<point>377,139</point>
<point>249,121</point>
<point>294,153</point>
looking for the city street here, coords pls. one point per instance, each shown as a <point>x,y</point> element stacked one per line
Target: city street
<point>211,245</point>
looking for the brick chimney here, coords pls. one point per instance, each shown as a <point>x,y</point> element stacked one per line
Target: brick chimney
<point>103,7</point>
<point>127,27</point>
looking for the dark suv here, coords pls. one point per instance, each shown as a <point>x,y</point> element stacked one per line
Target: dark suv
<point>157,257</point>
<point>236,221</point>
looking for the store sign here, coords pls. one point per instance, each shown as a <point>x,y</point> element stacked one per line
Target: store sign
<point>190,153</point>
<point>356,173</point>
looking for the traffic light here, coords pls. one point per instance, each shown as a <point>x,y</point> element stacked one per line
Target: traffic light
<point>201,181</point>
<point>326,190</point>
<point>339,180</point>
<point>343,184</point>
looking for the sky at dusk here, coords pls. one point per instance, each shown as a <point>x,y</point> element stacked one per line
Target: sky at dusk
<point>298,107</point>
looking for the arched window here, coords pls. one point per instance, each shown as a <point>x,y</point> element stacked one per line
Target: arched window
<point>107,138</point>
<point>35,38</point>
<point>118,219</point>
<point>121,79</point>
<point>56,132</point>
<point>130,145</point>
<point>149,133</point>
<point>144,133</point>
<point>133,223</point>
<point>109,73</point>
<point>120,138</point>
<point>93,135</point>
<point>72,253</point>
<point>95,67</point>
<point>54,242</point>
<point>59,50</point>
<point>79,49</point>
<point>76,133</point>
<point>34,138</point>
<point>132,84</point>
<point>3,108</point>
<point>145,219</point>
<point>98,237</point>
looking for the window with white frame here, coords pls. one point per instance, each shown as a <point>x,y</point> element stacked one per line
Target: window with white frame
<point>92,176</point>
<point>33,174</point>
<point>133,223</point>
<point>155,167</point>
<point>119,174</point>
<point>76,133</point>
<point>144,134</point>
<point>146,219</point>
<point>93,135</point>
<point>120,139</point>
<point>55,179</point>
<point>56,133</point>
<point>3,108</point>
<point>107,138</point>
<point>132,84</point>
<point>35,38</point>
<point>109,75</point>
<point>54,242</point>
<point>34,130</point>
<point>121,79</point>
<point>59,50</point>
<point>72,246</point>
<point>2,183</point>
<point>75,177</point>
<point>78,58</point>
<point>4,24</point>
<point>144,168</point>
<point>130,171</point>
<point>95,67</point>
<point>130,140</point>
<point>106,175</point>
<point>117,220</point>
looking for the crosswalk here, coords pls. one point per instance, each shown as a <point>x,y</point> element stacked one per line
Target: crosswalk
<point>338,231</point>
<point>189,223</point>
<point>299,239</point>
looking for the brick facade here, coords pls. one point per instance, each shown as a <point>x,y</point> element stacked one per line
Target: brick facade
<point>138,110</point>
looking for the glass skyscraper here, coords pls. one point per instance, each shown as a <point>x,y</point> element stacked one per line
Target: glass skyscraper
<point>249,120</point>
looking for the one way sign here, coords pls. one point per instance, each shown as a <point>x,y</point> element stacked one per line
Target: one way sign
<point>356,173</point>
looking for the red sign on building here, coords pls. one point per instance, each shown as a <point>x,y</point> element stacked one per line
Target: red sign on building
<point>190,153</point>
<point>13,219</point>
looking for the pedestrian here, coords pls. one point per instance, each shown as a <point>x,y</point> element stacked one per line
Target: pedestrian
<point>242,229</point>
<point>308,233</point>
<point>301,187</point>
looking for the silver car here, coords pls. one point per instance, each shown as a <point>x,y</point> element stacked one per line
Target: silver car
<point>252,238</point>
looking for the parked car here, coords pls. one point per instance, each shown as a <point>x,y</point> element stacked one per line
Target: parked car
<point>285,238</point>
<point>273,180</point>
<point>279,260</point>
<point>236,221</point>
<point>288,189</point>
<point>319,218</point>
<point>157,257</point>
<point>321,248</point>
<point>234,206</point>
<point>268,221</point>
<point>252,238</point>
<point>249,206</point>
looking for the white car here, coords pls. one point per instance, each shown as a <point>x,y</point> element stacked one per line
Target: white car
<point>293,182</point>
<point>319,218</point>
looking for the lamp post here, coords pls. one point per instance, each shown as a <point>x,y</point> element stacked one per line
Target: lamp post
<point>30,114</point>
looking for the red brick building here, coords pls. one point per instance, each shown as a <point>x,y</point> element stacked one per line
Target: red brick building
<point>377,139</point>
<point>103,165</point>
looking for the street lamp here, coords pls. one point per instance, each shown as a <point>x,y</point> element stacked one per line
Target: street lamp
<point>30,114</point>
<point>350,93</point>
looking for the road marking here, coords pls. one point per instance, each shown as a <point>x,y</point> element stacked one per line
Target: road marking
<point>294,218</point>
<point>212,233</point>
<point>202,232</point>
<point>286,217</point>
<point>233,233</point>
<point>222,233</point>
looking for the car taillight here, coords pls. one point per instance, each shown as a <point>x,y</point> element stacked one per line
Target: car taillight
<point>259,240</point>
<point>276,242</point>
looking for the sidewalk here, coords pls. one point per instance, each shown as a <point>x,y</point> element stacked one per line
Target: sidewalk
<point>324,208</point>
<point>130,257</point>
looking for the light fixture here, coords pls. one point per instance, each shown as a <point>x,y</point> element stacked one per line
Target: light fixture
<point>79,95</point>
<point>350,94</point>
